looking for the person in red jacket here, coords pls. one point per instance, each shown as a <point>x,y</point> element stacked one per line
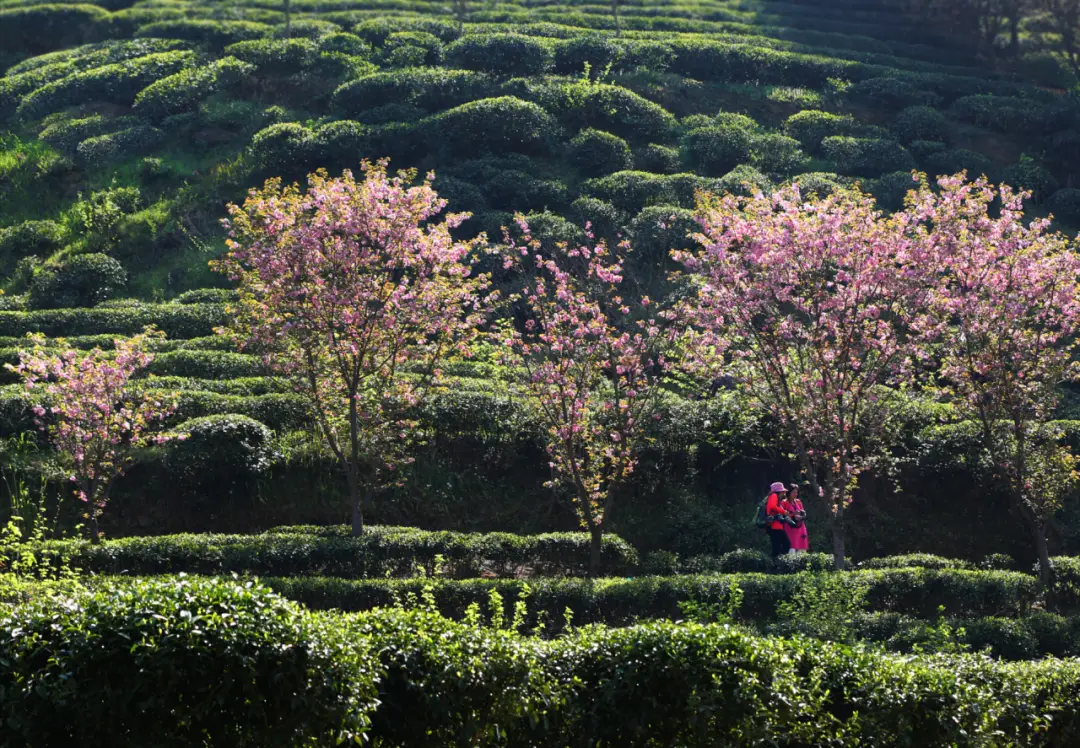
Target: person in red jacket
<point>775,510</point>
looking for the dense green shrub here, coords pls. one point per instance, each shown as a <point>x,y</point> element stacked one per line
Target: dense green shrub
<point>630,191</point>
<point>777,155</point>
<point>714,151</point>
<point>286,146</point>
<point>915,561</point>
<point>276,57</point>
<point>207,296</point>
<point>184,91</point>
<point>658,159</point>
<point>175,662</point>
<point>214,33</point>
<point>955,160</point>
<point>202,364</point>
<point>1064,204</point>
<point>346,44</point>
<point>30,238</point>
<point>738,63</point>
<point>34,29</point>
<point>658,229</point>
<point>79,281</point>
<point>598,52</point>
<point>412,48</point>
<point>920,123</point>
<point>1012,115</point>
<point>517,191</point>
<point>619,602</point>
<point>280,411</point>
<point>811,127</point>
<point>604,219</point>
<point>1028,175</point>
<point>331,551</point>
<point>377,30</point>
<point>221,451</point>
<point>866,157</point>
<point>432,89</point>
<point>176,321</point>
<point>506,55</point>
<point>594,153</point>
<point>818,183</point>
<point>609,108</point>
<point>501,125</point>
<point>118,83</point>
<point>891,93</point>
<point>66,134</point>
<point>891,190</point>
<point>115,146</point>
<point>742,180</point>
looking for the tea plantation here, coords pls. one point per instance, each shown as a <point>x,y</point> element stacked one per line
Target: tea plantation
<point>227,603</point>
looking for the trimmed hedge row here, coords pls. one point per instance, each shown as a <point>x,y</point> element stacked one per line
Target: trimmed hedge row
<point>175,320</point>
<point>379,551</point>
<point>620,602</point>
<point>221,662</point>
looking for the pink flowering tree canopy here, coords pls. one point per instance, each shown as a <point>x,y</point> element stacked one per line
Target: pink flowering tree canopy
<point>356,291</point>
<point>804,302</point>
<point>1007,309</point>
<point>593,363</point>
<point>92,417</point>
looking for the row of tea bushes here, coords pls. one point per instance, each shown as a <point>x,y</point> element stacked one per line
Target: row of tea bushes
<point>228,663</point>
<point>379,552</point>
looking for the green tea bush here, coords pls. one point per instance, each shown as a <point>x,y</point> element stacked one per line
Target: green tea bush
<point>506,55</point>
<point>286,146</point>
<point>1028,175</point>
<point>66,134</point>
<point>376,31</point>
<point>630,191</point>
<point>176,321</point>
<point>776,154</point>
<point>207,296</point>
<point>891,94</point>
<point>176,662</point>
<point>658,229</point>
<point>609,108</point>
<point>517,191</point>
<point>30,238</point>
<point>79,281</point>
<point>226,450</point>
<point>276,57</point>
<point>118,83</point>
<point>419,48</point>
<point>184,91</point>
<point>116,146</point>
<point>955,160</point>
<point>594,153</point>
<point>738,63</point>
<point>599,53</point>
<point>891,190</point>
<point>33,29</point>
<point>1012,115</point>
<point>433,89</point>
<point>915,561</point>
<point>866,157</point>
<point>604,218</point>
<point>742,180</point>
<point>202,364</point>
<point>658,159</point>
<point>309,28</point>
<point>500,125</point>
<point>346,44</point>
<point>1064,204</point>
<point>920,123</point>
<point>714,151</point>
<point>376,553</point>
<point>818,183</point>
<point>215,34</point>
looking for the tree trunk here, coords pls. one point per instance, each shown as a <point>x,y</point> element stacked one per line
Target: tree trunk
<point>596,537</point>
<point>1046,573</point>
<point>356,499</point>
<point>95,529</point>
<point>615,13</point>
<point>838,539</point>
<point>288,19</point>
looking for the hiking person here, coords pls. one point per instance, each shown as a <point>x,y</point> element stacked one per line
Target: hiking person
<point>778,519</point>
<point>798,539</point>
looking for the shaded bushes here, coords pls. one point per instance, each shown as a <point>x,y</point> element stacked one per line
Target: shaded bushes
<point>866,157</point>
<point>214,33</point>
<point>380,551</point>
<point>203,364</point>
<point>39,28</point>
<point>499,125</point>
<point>184,91</point>
<point>225,450</point>
<point>132,141</point>
<point>714,151</point>
<point>79,281</point>
<point>501,54</point>
<point>594,153</point>
<point>811,127</point>
<point>432,89</point>
<point>920,123</point>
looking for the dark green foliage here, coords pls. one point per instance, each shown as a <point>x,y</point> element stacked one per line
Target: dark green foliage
<point>35,29</point>
<point>283,147</point>
<point>30,238</point>
<point>377,30</point>
<point>658,159</point>
<point>176,321</point>
<point>331,551</point>
<point>610,108</point>
<point>184,91</point>
<point>215,34</point>
<point>202,364</point>
<point>347,44</point>
<point>594,153</point>
<point>173,663</point>
<point>659,229</point>
<point>742,180</point>
<point>412,49</point>
<point>890,190</point>
<point>953,161</point>
<point>500,125</point>
<point>1065,205</point>
<point>118,83</point>
<point>777,155</point>
<point>738,63</point>
<point>207,296</point>
<point>1028,175</point>
<point>819,183</point>
<point>920,123</point>
<point>866,157</point>
<point>115,146</point>
<point>1012,115</point>
<point>66,134</point>
<point>506,55</point>
<point>811,127</point>
<point>914,561</point>
<point>603,217</point>
<point>891,93</point>
<point>280,411</point>
<point>598,52</point>
<point>79,281</point>
<point>221,451</point>
<point>714,151</point>
<point>432,89</point>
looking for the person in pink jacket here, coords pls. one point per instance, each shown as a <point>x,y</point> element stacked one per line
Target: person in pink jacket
<point>796,531</point>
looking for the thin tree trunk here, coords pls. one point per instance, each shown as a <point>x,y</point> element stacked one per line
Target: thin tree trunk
<point>838,539</point>
<point>596,537</point>
<point>356,499</point>
<point>615,13</point>
<point>288,19</point>
<point>1046,573</point>
<point>95,529</point>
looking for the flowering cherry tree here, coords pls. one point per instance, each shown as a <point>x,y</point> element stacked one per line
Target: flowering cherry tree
<point>593,363</point>
<point>91,416</point>
<point>354,290</point>
<point>1007,306</point>
<point>804,303</point>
